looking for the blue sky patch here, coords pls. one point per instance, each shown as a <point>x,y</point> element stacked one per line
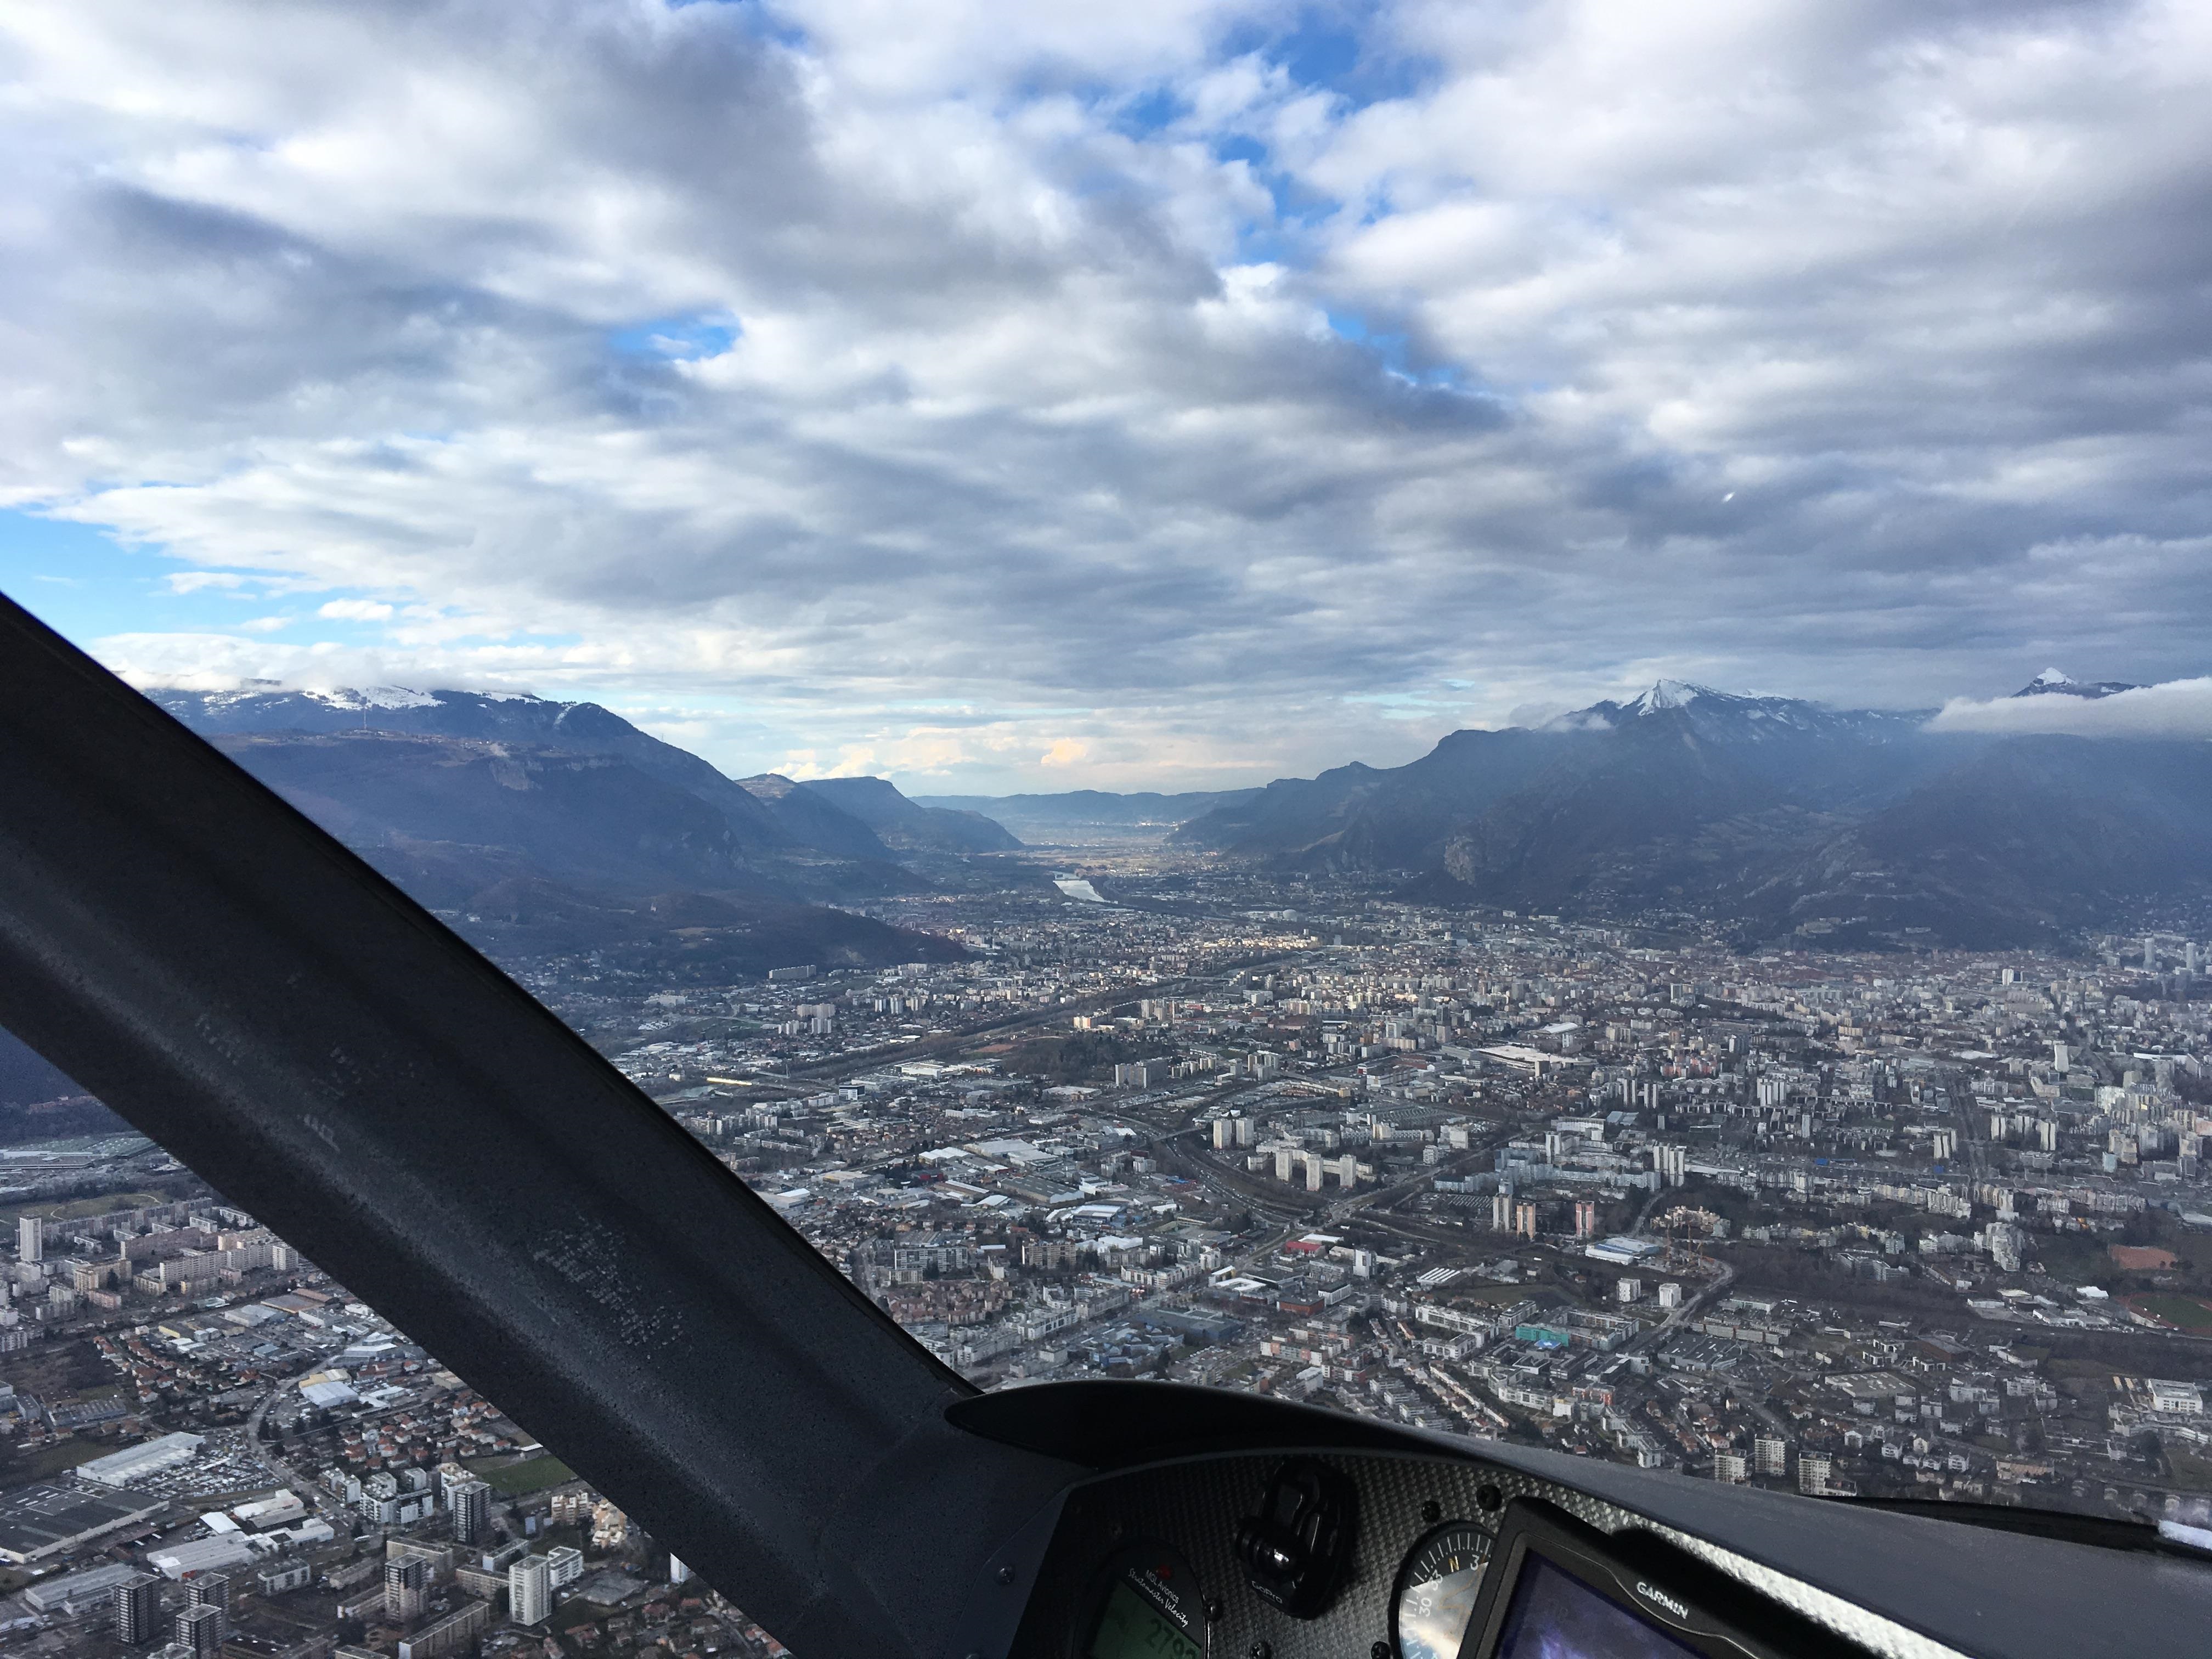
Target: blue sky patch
<point>85,585</point>
<point>680,339</point>
<point>1337,49</point>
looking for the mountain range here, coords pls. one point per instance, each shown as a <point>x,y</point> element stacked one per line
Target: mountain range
<point>539,826</point>
<point>2055,682</point>
<point>911,826</point>
<point>543,825</point>
<point>1774,815</point>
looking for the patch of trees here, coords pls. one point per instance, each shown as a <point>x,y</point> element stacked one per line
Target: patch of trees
<point>25,1076</point>
<point>55,1120</point>
<point>1810,1276</point>
<point>1085,1057</point>
<point>2147,1355</point>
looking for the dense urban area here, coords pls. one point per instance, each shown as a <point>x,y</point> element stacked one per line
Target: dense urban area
<point>1928,1222</point>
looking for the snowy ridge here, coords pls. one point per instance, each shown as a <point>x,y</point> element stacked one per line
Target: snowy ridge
<point>2055,682</point>
<point>345,696</point>
<point>1671,694</point>
<point>376,696</point>
<point>1731,715</point>
<point>271,705</point>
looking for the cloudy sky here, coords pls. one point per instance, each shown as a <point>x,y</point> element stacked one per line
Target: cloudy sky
<point>1001,395</point>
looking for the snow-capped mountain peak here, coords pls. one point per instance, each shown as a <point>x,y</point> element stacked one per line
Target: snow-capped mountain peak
<point>1670,694</point>
<point>345,698</point>
<point>375,697</point>
<point>2053,682</point>
<point>1729,716</point>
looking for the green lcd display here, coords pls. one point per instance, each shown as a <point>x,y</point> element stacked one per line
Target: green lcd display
<point>1132,1628</point>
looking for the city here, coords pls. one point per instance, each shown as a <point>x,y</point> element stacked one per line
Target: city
<point>1213,830</point>
<point>1929,1223</point>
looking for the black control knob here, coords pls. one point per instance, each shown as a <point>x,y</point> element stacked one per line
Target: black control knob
<point>1295,1551</point>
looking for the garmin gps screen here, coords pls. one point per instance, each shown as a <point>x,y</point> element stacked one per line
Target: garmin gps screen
<point>1554,1615</point>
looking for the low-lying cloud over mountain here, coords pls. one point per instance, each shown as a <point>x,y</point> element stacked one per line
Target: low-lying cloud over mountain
<point>1185,393</point>
<point>2178,709</point>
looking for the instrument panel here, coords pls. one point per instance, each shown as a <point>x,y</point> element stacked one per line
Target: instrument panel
<point>1434,1595</point>
<point>1234,1488</point>
<point>1414,1564</point>
<point>1145,1604</point>
<point>1415,1555</point>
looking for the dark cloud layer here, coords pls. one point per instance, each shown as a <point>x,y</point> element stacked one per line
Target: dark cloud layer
<point>939,391</point>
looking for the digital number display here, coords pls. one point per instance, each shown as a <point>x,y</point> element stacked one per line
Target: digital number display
<point>1132,1628</point>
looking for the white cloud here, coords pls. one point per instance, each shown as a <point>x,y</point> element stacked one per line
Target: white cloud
<point>2176,709</point>
<point>213,661</point>
<point>354,610</point>
<point>1019,359</point>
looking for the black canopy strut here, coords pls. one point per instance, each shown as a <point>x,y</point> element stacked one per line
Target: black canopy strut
<point>255,997</point>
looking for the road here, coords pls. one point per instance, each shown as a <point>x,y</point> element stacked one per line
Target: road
<point>1290,1219</point>
<point>1971,1124</point>
<point>268,1454</point>
<point>1678,1317</point>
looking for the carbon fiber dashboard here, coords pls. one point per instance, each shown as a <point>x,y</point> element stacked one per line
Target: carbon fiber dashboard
<point>1194,1505</point>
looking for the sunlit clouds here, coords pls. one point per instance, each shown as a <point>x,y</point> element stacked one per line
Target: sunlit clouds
<point>1164,396</point>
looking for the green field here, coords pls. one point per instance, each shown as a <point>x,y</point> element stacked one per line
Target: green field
<point>52,1460</point>
<point>2189,1473</point>
<point>2186,1311</point>
<point>516,1479</point>
<point>1504,1296</point>
<point>78,1209</point>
